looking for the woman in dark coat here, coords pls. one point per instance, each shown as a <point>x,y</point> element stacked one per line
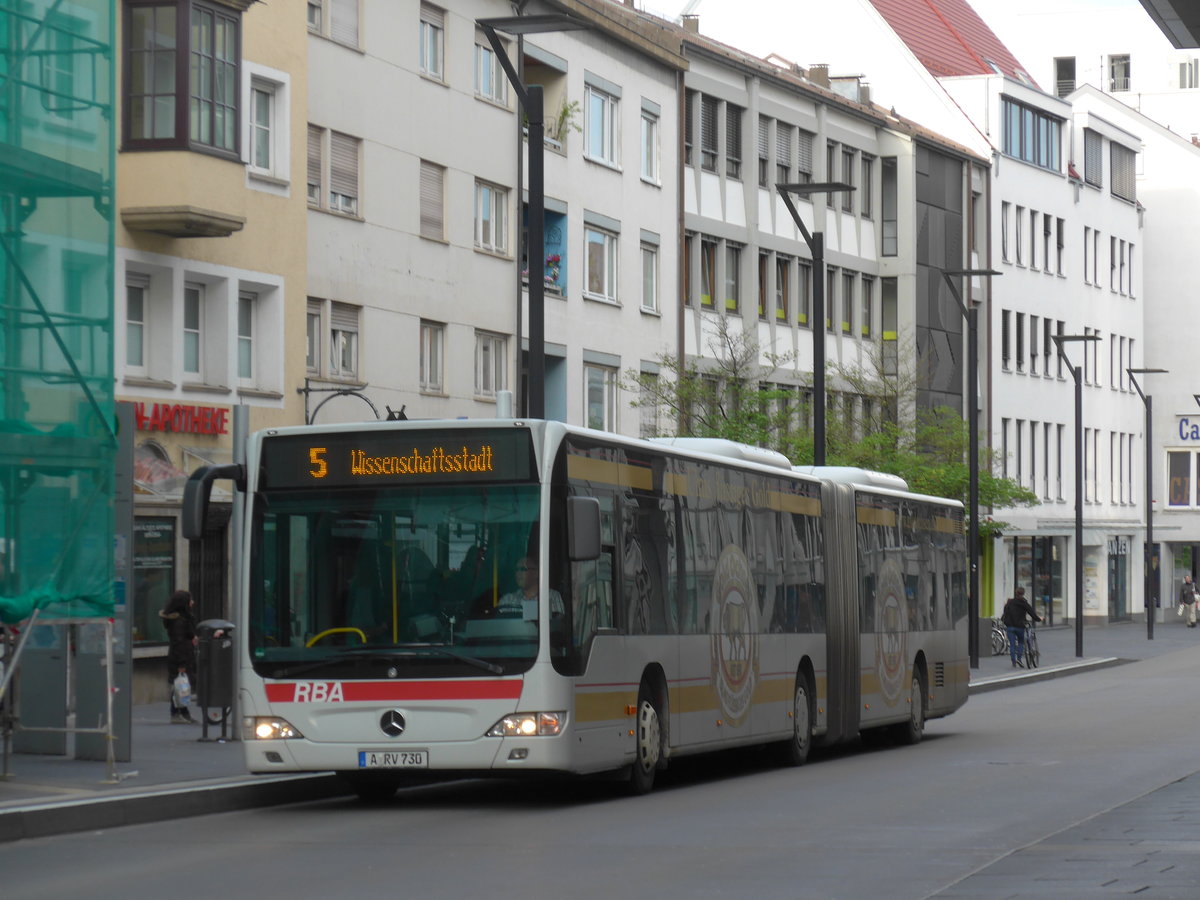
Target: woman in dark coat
<point>181,648</point>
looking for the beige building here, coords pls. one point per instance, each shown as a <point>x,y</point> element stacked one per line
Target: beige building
<point>210,261</point>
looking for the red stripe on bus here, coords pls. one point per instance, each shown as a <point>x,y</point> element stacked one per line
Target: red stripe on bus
<point>350,691</point>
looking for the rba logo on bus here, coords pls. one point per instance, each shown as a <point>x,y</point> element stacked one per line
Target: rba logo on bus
<point>891,631</point>
<point>734,619</point>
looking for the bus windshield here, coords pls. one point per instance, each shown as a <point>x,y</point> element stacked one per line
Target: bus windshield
<point>394,582</point>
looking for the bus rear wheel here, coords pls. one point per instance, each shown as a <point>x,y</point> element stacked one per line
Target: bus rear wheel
<point>649,743</point>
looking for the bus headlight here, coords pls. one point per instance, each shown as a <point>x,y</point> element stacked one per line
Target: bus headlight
<point>530,724</point>
<point>268,728</point>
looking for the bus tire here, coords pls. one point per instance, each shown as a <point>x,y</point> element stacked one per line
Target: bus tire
<point>648,737</point>
<point>371,788</point>
<point>796,750</point>
<point>913,730</point>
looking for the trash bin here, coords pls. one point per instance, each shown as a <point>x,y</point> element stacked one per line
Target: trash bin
<point>214,669</point>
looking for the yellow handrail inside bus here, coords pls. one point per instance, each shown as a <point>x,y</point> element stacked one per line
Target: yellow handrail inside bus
<point>328,631</point>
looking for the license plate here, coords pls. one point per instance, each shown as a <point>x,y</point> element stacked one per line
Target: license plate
<point>393,759</point>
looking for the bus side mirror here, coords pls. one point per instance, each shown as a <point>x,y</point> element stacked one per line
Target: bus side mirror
<point>197,491</point>
<point>583,528</point>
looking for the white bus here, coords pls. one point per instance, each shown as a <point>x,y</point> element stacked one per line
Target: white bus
<point>525,597</point>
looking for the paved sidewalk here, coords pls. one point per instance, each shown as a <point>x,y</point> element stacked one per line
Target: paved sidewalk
<point>173,774</point>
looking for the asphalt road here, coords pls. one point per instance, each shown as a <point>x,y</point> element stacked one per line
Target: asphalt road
<point>1013,771</point>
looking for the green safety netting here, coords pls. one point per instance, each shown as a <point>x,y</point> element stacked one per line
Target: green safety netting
<point>57,441</point>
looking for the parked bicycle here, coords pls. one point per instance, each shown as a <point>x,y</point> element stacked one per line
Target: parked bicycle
<point>999,638</point>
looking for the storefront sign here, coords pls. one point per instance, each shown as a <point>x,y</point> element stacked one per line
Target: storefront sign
<point>181,418</point>
<point>1189,429</point>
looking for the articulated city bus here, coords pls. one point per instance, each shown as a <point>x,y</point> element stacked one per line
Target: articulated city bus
<point>525,597</point>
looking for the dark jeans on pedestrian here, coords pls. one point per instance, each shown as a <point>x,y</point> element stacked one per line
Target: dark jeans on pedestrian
<point>1016,643</point>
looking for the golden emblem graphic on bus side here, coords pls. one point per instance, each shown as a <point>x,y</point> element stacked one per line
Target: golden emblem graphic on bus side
<point>891,631</point>
<point>733,622</point>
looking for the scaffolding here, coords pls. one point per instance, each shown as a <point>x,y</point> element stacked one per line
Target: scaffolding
<point>58,441</point>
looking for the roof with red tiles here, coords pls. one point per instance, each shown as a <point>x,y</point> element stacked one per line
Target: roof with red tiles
<point>949,38</point>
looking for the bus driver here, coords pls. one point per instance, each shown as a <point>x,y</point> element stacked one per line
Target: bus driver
<point>523,601</point>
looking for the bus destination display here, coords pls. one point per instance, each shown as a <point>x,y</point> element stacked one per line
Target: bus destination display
<point>371,458</point>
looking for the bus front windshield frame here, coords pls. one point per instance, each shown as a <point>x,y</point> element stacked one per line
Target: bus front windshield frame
<point>394,582</point>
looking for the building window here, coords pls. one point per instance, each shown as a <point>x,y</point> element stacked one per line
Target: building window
<point>1122,165</point>
<point>262,127</point>
<point>490,80</point>
<point>1064,75</point>
<point>600,397</point>
<point>601,125</point>
<point>600,263</point>
<point>733,141</point>
<point>763,145</point>
<point>491,217</point>
<point>848,279</point>
<point>649,277</point>
<point>432,37</point>
<point>1033,238</point>
<point>831,298</point>
<point>433,338</point>
<point>1004,217</point>
<point>340,151</point>
<point>181,76</point>
<point>848,178</point>
<point>336,19</point>
<point>247,308</point>
<point>783,287</point>
<point>1019,235</point>
<point>830,169</point>
<point>1031,135</point>
<point>648,405</point>
<point>867,306</point>
<point>312,355</point>
<point>1118,73</point>
<point>135,322</point>
<point>783,153</point>
<point>733,278</point>
<point>193,329</point>
<point>1061,227</point>
<point>708,271</point>
<point>343,340</point>
<point>1005,339</point>
<point>433,199</point>
<point>1093,158</point>
<point>804,295</point>
<point>491,363</point>
<point>708,132</point>
<point>864,190</point>
<point>1189,75</point>
<point>650,147</point>
<point>888,191</point>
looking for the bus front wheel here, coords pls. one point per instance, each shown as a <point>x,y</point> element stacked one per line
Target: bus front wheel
<point>649,742</point>
<point>801,742</point>
<point>913,730</point>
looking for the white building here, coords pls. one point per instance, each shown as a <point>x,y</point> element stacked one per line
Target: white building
<point>416,209</point>
<point>950,72</point>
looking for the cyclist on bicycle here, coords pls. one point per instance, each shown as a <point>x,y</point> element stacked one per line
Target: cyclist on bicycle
<point>1016,611</point>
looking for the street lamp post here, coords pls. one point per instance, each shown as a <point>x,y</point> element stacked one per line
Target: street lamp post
<point>531,100</point>
<point>816,247</point>
<point>1076,373</point>
<point>1148,402</point>
<point>971,315</point>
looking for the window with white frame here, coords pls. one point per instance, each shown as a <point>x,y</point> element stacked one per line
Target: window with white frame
<point>267,126</point>
<point>333,161</point>
<point>312,355</point>
<point>649,146</point>
<point>1123,169</point>
<point>648,425</point>
<point>246,312</point>
<point>1118,72</point>
<point>343,340</point>
<point>262,128</point>
<point>491,217</point>
<point>336,19</point>
<point>433,341</point>
<point>432,33</point>
<point>490,81</point>
<point>433,201</point>
<point>136,315</point>
<point>600,263</point>
<point>1189,74</point>
<point>1093,157</point>
<point>491,363</point>
<point>600,125</point>
<point>600,397</point>
<point>193,331</point>
<point>649,276</point>
<point>1004,217</point>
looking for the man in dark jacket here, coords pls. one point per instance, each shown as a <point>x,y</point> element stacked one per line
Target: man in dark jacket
<point>181,648</point>
<point>1016,611</point>
<point>1187,598</point>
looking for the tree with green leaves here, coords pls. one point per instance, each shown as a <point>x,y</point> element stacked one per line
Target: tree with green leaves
<point>872,422</point>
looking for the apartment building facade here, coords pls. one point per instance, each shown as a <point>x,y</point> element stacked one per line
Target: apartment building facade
<point>417,209</point>
<point>210,261</point>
